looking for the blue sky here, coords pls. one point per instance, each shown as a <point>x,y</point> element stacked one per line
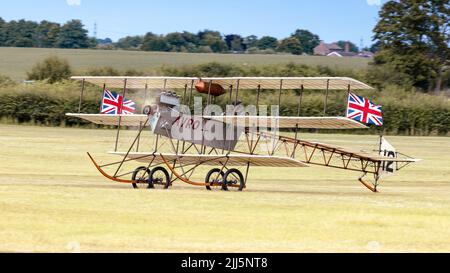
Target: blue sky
<point>332,20</point>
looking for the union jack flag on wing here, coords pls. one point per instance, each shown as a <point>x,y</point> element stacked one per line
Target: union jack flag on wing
<point>115,104</point>
<point>363,110</point>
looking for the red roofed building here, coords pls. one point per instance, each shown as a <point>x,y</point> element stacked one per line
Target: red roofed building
<point>323,49</point>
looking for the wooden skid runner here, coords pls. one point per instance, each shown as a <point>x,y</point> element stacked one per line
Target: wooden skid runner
<point>164,161</point>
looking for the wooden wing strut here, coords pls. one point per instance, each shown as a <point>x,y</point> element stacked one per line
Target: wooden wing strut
<point>185,180</point>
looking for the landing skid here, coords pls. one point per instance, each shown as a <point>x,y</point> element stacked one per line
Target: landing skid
<point>118,180</point>
<point>169,167</point>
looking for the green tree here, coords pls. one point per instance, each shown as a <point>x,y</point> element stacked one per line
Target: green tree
<point>235,42</point>
<point>251,41</point>
<point>130,42</point>
<point>93,42</point>
<point>73,35</point>
<point>176,41</point>
<point>307,39</point>
<point>192,42</point>
<point>52,69</point>
<point>291,45</point>
<point>154,42</point>
<point>414,37</point>
<point>213,39</point>
<point>21,33</point>
<point>191,38</point>
<point>48,34</point>
<point>2,32</point>
<point>375,47</point>
<point>267,42</point>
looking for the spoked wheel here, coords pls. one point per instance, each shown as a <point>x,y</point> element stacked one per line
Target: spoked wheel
<point>234,180</point>
<point>141,174</point>
<point>215,178</point>
<point>159,178</point>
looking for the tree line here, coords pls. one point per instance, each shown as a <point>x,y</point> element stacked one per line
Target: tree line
<point>73,34</point>
<point>411,39</point>
<point>209,41</point>
<point>45,34</point>
<point>414,39</point>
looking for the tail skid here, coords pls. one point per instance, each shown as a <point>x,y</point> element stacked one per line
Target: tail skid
<point>373,187</point>
<point>387,167</point>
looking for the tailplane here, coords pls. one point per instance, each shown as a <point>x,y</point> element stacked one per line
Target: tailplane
<point>391,161</point>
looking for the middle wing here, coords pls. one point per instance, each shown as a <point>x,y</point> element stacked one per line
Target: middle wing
<point>241,121</point>
<point>290,122</point>
<point>112,120</point>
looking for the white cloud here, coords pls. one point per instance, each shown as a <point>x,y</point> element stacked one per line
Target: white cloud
<point>374,2</point>
<point>73,2</point>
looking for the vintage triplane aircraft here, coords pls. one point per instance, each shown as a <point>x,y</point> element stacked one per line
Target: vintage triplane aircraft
<point>230,141</point>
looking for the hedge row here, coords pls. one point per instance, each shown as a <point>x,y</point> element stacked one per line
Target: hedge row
<point>404,113</point>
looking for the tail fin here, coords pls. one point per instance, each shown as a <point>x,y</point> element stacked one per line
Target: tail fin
<point>390,162</point>
<point>387,168</point>
<point>396,160</point>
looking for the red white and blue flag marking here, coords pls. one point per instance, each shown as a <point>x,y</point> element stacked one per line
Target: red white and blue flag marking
<point>115,104</point>
<point>363,110</point>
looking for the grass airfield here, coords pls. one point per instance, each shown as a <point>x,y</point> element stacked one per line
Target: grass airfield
<point>53,200</point>
<point>16,61</point>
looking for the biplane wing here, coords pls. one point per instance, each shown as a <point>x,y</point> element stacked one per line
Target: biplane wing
<point>243,83</point>
<point>214,160</point>
<point>112,120</point>
<point>290,122</point>
<point>242,121</point>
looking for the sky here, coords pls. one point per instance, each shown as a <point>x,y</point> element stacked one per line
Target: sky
<point>332,20</point>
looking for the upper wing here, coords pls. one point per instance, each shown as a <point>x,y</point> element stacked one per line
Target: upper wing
<point>102,119</point>
<point>140,82</point>
<point>243,83</point>
<point>289,83</point>
<point>216,160</point>
<point>290,122</point>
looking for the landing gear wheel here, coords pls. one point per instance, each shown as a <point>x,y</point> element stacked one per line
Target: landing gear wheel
<point>215,176</point>
<point>233,179</point>
<point>159,178</point>
<point>141,174</point>
<point>147,110</point>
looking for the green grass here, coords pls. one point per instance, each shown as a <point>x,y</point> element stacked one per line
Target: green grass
<point>52,200</point>
<point>15,62</point>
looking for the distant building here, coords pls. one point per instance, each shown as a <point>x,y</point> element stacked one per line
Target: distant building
<point>323,49</point>
<point>334,50</point>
